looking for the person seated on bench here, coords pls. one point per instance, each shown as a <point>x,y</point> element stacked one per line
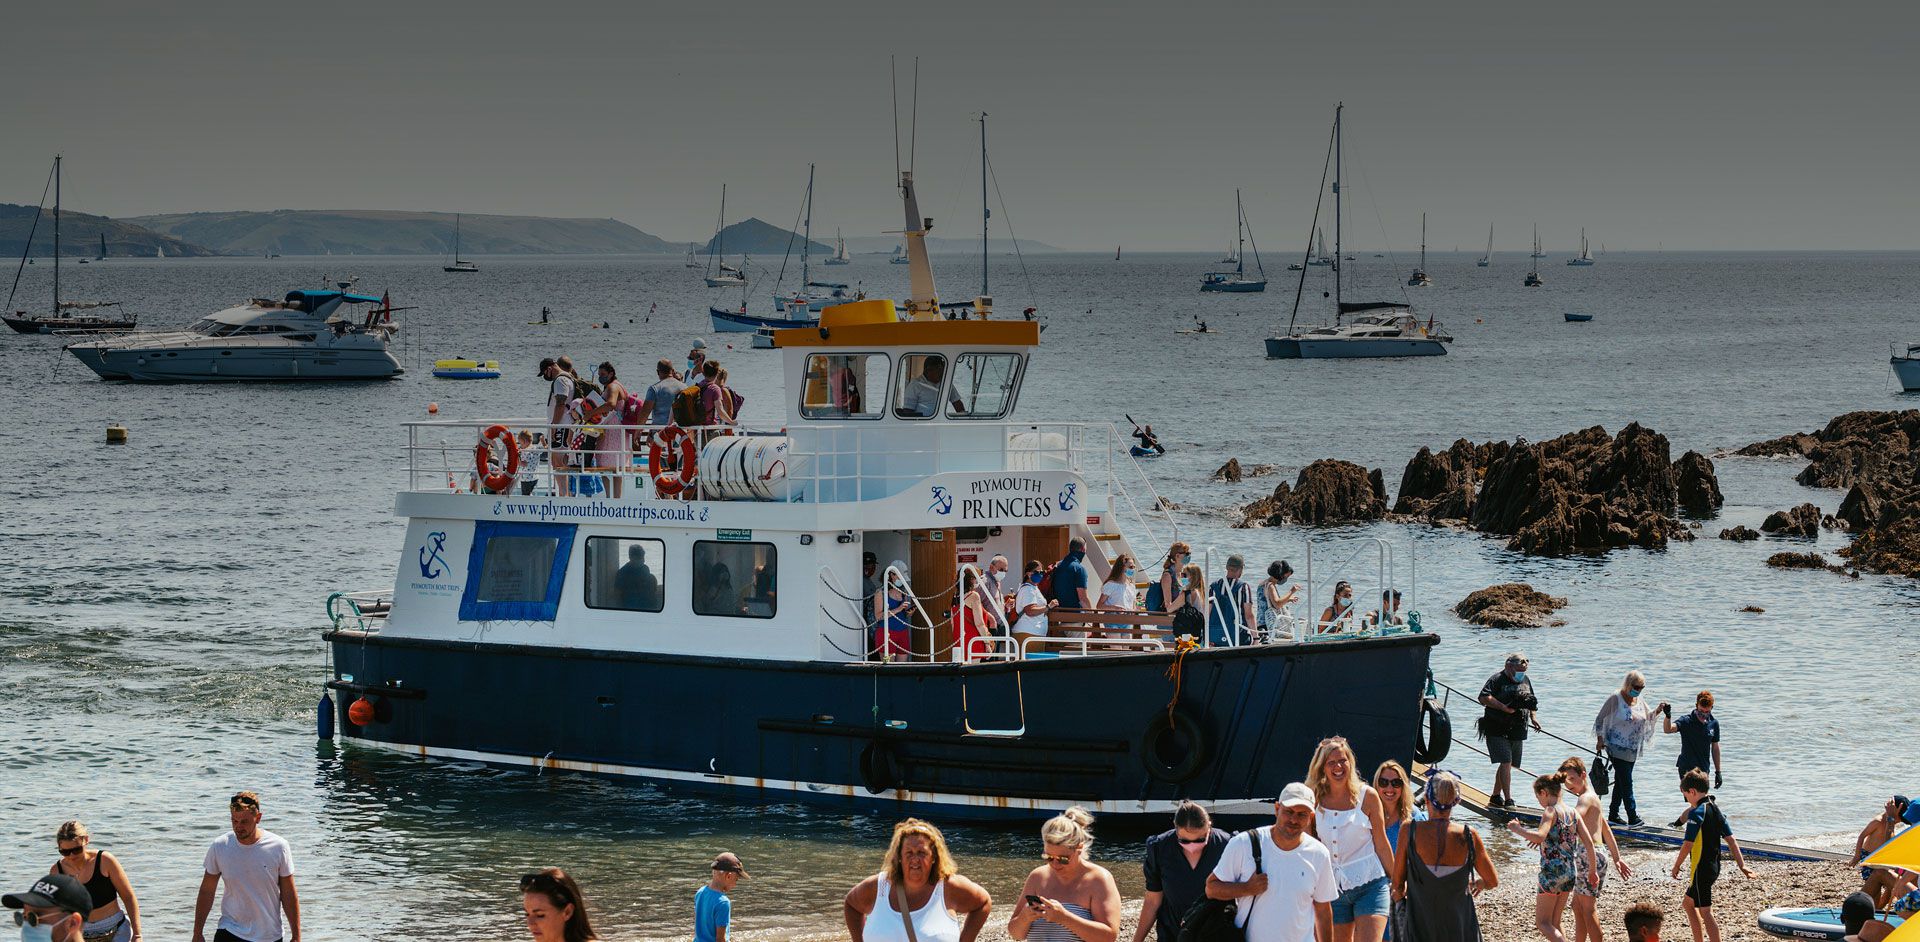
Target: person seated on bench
<point>1339,615</point>
<point>1116,594</point>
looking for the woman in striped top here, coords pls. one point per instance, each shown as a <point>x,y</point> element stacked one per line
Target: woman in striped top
<point>1068,897</point>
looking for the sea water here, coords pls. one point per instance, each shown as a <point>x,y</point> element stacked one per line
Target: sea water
<point>163,599</point>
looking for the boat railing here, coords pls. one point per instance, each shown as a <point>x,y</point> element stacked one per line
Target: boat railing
<point>1046,646</point>
<point>359,611</point>
<point>1356,622</point>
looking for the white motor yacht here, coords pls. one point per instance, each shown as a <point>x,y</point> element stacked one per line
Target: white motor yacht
<point>1378,329</point>
<point>305,336</point>
<point>1906,366</point>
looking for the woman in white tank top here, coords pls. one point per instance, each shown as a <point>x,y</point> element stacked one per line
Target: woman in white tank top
<point>919,878</point>
<point>1351,820</point>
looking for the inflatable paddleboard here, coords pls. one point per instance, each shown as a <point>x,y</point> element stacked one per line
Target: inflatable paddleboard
<point>466,369</point>
<point>1811,922</point>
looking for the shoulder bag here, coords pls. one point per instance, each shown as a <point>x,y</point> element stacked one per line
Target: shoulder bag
<point>1212,920</point>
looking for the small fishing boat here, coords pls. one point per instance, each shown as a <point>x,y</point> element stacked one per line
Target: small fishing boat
<point>1419,278</point>
<point>763,338</point>
<point>1811,922</point>
<point>459,264</point>
<point>1906,366</point>
<point>462,368</point>
<point>1576,318</point>
<point>1487,259</point>
<point>1237,280</point>
<point>1585,258</point>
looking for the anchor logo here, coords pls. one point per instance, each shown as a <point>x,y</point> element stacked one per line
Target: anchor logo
<point>942,501</point>
<point>1068,498</point>
<point>429,556</point>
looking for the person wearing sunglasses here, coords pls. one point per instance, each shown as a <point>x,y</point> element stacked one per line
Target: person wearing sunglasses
<point>257,868</point>
<point>52,911</point>
<point>1176,866</point>
<point>1510,707</point>
<point>1623,727</point>
<point>105,882</point>
<point>1396,798</point>
<point>1068,898</point>
<point>1440,868</point>
<point>555,909</point>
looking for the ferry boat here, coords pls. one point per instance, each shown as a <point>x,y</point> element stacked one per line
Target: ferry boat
<point>704,631</point>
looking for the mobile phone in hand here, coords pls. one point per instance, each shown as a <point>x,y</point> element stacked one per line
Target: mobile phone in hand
<point>1033,901</point>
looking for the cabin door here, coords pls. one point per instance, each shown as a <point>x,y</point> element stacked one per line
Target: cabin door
<point>935,565</point>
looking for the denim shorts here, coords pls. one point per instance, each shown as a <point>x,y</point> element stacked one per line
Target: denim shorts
<point>1371,898</point>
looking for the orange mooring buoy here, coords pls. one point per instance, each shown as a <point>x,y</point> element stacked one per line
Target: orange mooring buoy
<point>360,712</point>
<point>433,408</point>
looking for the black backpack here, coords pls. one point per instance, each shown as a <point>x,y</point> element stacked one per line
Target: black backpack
<point>1211,920</point>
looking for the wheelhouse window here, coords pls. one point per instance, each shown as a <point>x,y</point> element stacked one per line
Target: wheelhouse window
<point>626,574</point>
<point>923,380</point>
<point>735,580</point>
<point>844,386</point>
<point>984,385</point>
<point>516,571</point>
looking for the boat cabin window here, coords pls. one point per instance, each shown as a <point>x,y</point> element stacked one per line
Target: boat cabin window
<point>516,571</point>
<point>735,580</point>
<point>626,574</point>
<point>923,378</point>
<point>984,385</point>
<point>844,386</point>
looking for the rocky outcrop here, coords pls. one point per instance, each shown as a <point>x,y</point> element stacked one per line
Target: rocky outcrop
<point>1875,457</point>
<point>1699,489</point>
<point>1798,445</point>
<point>1807,561</point>
<point>1510,605</point>
<point>1753,610</point>
<point>1233,473</point>
<point>1891,546</point>
<point>1803,520</point>
<point>1327,491</point>
<point>1441,487</point>
<point>1740,534</point>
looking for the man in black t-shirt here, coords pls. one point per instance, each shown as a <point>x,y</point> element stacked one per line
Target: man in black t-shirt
<point>1510,705</point>
<point>1176,866</point>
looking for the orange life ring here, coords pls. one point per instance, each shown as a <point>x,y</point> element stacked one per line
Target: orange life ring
<point>503,481</point>
<point>668,481</point>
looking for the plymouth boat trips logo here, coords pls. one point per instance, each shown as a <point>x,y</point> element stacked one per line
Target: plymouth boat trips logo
<point>430,558</point>
<point>942,501</point>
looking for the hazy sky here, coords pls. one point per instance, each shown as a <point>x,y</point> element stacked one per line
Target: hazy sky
<point>1700,125</point>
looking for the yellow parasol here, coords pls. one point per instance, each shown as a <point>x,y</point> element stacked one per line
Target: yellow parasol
<point>1903,852</point>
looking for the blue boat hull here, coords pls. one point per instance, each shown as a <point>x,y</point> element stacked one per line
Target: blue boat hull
<point>735,322</point>
<point>1578,318</point>
<point>865,737</point>
<point>1236,287</point>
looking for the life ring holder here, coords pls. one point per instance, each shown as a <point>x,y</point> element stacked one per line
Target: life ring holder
<point>667,480</point>
<point>1182,724</point>
<point>1435,736</point>
<point>503,481</point>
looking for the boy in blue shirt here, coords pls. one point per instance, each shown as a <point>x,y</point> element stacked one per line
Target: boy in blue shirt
<point>1706,827</point>
<point>712,908</point>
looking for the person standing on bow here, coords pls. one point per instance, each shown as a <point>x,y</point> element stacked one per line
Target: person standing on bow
<point>1510,707</point>
<point>1621,730</point>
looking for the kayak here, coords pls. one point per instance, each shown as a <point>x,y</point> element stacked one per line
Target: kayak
<point>1811,922</point>
<point>1139,452</point>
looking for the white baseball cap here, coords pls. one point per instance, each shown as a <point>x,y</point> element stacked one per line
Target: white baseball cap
<point>1296,795</point>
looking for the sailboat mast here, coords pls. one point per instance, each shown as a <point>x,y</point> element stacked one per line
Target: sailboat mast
<point>806,235</point>
<point>56,235</point>
<point>718,247</point>
<point>456,237</point>
<point>1339,253</point>
<point>1239,234</point>
<point>1423,240</point>
<point>985,213</point>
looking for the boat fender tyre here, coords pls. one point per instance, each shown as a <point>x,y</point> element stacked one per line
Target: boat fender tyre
<point>879,768</point>
<point>502,482</point>
<point>666,481</point>
<point>1174,746</point>
<point>1435,737</point>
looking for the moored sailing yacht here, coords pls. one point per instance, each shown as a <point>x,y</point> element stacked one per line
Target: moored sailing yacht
<point>1237,279</point>
<point>1378,328</point>
<point>1487,259</point>
<point>1586,257</point>
<point>789,310</point>
<point>64,318</point>
<point>1533,267</point>
<point>705,632</point>
<point>840,256</point>
<point>459,264</point>
<point>719,273</point>
<point>1419,278</point>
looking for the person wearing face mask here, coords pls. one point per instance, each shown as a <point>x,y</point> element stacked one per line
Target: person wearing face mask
<point>1176,866</point>
<point>893,637</point>
<point>1116,594</point>
<point>993,584</point>
<point>1031,603</point>
<point>1622,728</point>
<point>1190,604</point>
<point>1338,614</point>
<point>53,910</point>
<point>1164,594</point>
<point>1510,705</point>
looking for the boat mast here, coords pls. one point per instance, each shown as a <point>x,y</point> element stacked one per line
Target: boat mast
<point>1239,234</point>
<point>1423,241</point>
<point>56,235</point>
<point>456,237</point>
<point>985,213</point>
<point>806,235</point>
<point>717,246</point>
<point>922,302</point>
<point>1339,253</point>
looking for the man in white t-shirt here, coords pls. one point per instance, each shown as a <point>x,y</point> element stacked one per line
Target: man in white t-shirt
<point>1289,896</point>
<point>257,867</point>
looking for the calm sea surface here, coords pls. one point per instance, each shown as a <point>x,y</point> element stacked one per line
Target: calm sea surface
<point>162,601</point>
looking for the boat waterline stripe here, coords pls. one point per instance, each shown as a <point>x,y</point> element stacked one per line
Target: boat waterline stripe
<point>1237,806</point>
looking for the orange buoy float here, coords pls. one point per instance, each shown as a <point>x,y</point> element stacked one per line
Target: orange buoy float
<point>501,481</point>
<point>672,478</point>
<point>433,408</point>
<point>360,712</point>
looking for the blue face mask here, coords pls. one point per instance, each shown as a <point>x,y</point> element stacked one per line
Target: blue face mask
<point>1630,694</point>
<point>1035,578</point>
<point>1519,676</point>
<point>1129,573</point>
<point>40,933</point>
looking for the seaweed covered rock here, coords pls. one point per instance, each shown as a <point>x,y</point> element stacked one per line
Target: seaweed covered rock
<point>1441,486</point>
<point>1327,491</point>
<point>1803,520</point>
<point>1740,534</point>
<point>1875,456</point>
<point>1891,547</point>
<point>1588,491</point>
<point>1509,605</point>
